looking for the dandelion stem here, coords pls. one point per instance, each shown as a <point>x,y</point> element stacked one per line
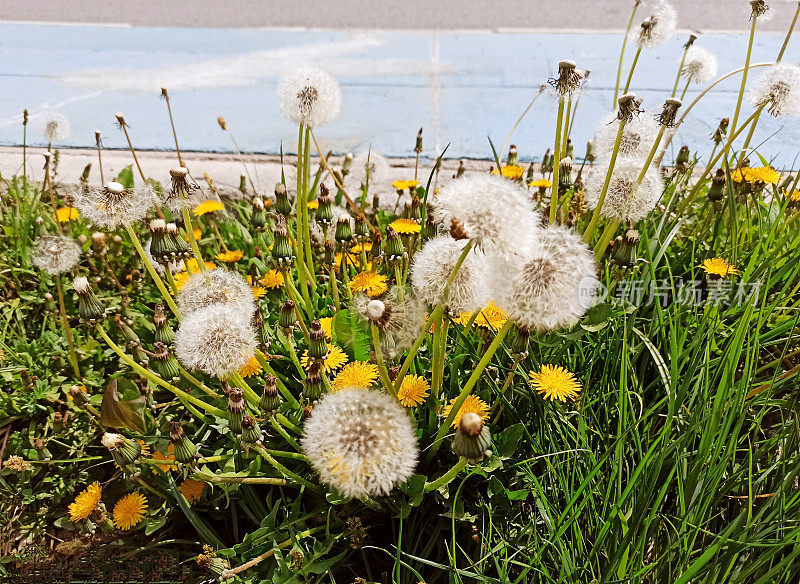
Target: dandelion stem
<point>152,271</point>
<point>465,391</point>
<point>437,313</point>
<point>100,157</point>
<point>285,471</point>
<point>622,52</point>
<point>556,162</point>
<point>602,243</point>
<point>754,19</point>
<point>680,70</point>
<point>384,374</point>
<point>199,384</point>
<point>182,395</point>
<point>269,553</point>
<point>633,67</point>
<point>279,429</point>
<point>587,236</point>
<point>172,123</point>
<point>189,228</point>
<point>514,127</point>
<point>437,335</point>
<point>73,358</point>
<point>447,477</point>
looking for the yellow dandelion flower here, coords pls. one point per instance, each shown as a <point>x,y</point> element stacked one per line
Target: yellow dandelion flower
<point>335,359</point>
<point>541,183</point>
<point>170,456</point>
<point>65,214</point>
<point>272,279</point>
<point>192,490</point>
<point>198,233</point>
<point>719,267</point>
<point>794,198</point>
<point>472,404</point>
<point>413,391</point>
<point>208,207</point>
<point>366,247</point>
<point>258,291</point>
<point>511,171</point>
<point>555,382</point>
<point>356,374</point>
<point>764,175</point>
<point>313,205</point>
<point>492,317</point>
<point>86,502</point>
<point>230,256</point>
<point>402,185</point>
<point>327,327</point>
<point>370,283</point>
<point>129,511</point>
<point>251,368</point>
<point>405,226</point>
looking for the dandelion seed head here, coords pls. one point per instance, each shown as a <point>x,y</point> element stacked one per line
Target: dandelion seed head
<point>309,96</point>
<point>431,268</point>
<point>376,164</point>
<point>216,340</point>
<point>53,125</point>
<point>56,254</point>
<point>490,209</point>
<point>399,321</point>
<point>549,285</point>
<point>779,89</point>
<point>224,287</point>
<point>114,205</point>
<point>700,65</point>
<point>624,200</point>
<point>361,442</point>
<point>657,28</point>
<point>638,136</point>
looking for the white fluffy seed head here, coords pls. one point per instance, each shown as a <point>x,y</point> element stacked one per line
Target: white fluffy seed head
<point>638,136</point>
<point>657,28</point>
<point>56,254</point>
<point>219,286</point>
<point>700,65</point>
<point>491,210</point>
<point>81,285</point>
<point>399,317</point>
<point>112,441</point>
<point>432,266</point>
<point>625,200</point>
<point>114,205</point>
<point>361,442</point>
<point>53,126</point>
<point>216,340</point>
<point>377,165</point>
<point>551,284</point>
<point>309,96</point>
<point>779,89</point>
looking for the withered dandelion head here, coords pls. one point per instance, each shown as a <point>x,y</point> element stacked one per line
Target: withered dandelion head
<point>114,205</point>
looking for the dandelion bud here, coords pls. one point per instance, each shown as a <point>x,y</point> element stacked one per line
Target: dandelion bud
<point>472,438</point>
<point>669,112</point>
<point>271,400</point>
<point>721,131</point>
<point>460,170</point>
<point>344,231</point>
<point>165,362</point>
<point>50,303</point>
<point>209,561</point>
<point>347,162</point>
<point>222,123</point>
<point>418,146</point>
<point>716,192</point>
<point>547,162</point>
<point>329,257</point>
<point>123,450</point>
<point>281,248</point>
<point>519,344</point>
<point>259,217</point>
<point>132,341</point>
<point>394,250</point>
<point>98,242</point>
<point>282,204</point>
<point>565,174</point>
<point>314,384</point>
<point>236,409</point>
<point>159,248</point>
<point>682,160</point>
<point>286,318</point>
<point>622,251</point>
<point>90,310</point>
<point>361,229</point>
<point>251,433</point>
<point>318,347</point>
<point>262,330</point>
<point>79,396</point>
<point>120,119</point>
<point>512,156</point>
<point>324,214</point>
<point>185,450</point>
<point>429,229</point>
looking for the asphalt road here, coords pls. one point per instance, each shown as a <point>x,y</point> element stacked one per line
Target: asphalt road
<point>702,15</point>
